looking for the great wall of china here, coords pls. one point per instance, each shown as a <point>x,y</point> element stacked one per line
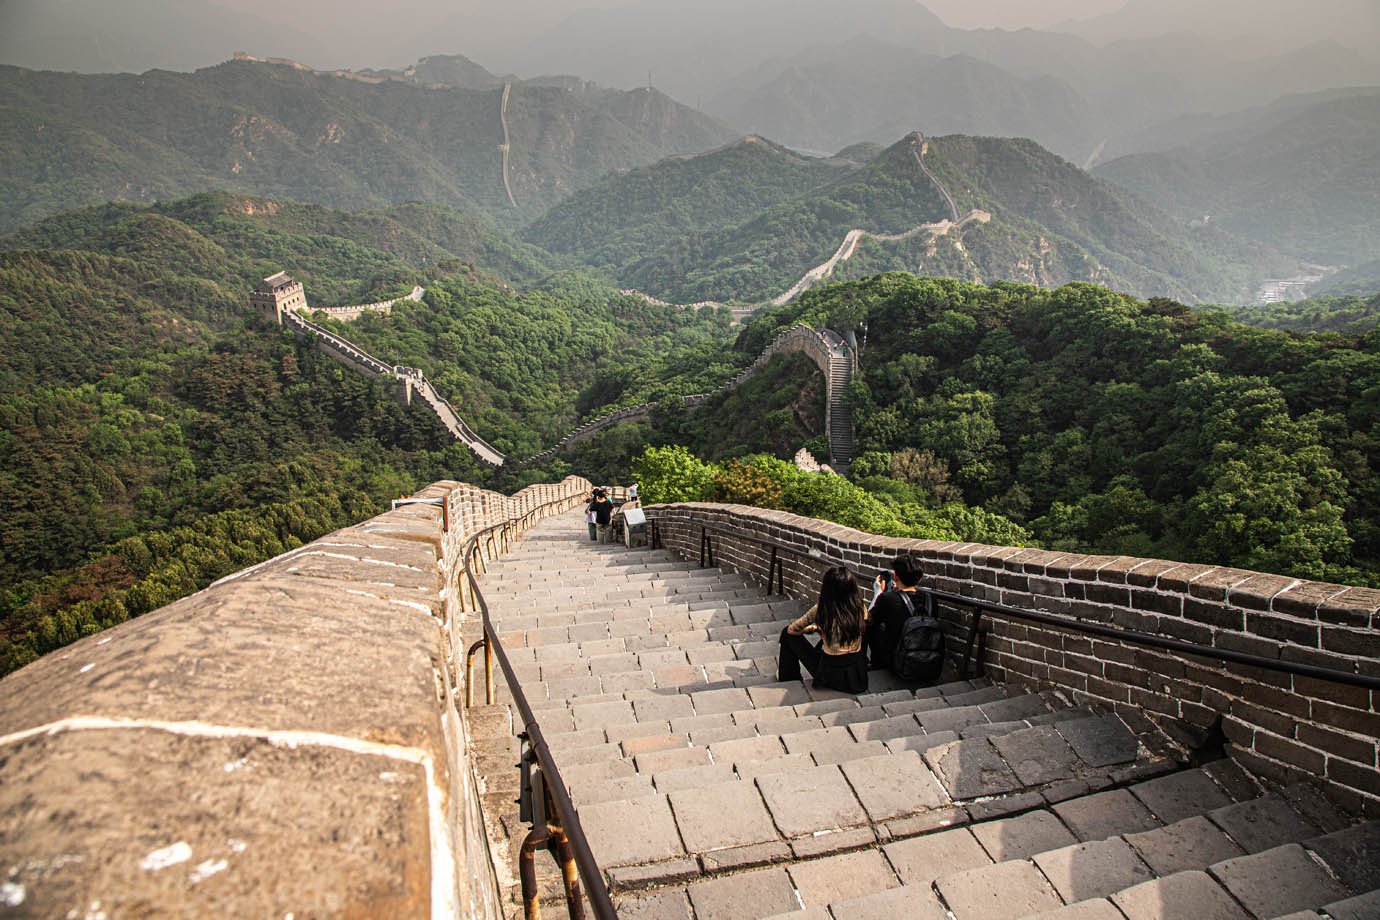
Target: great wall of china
<point>295,738</point>
<point>835,360</point>
<point>1119,738</point>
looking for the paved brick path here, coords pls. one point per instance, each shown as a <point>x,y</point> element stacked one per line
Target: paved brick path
<point>707,789</point>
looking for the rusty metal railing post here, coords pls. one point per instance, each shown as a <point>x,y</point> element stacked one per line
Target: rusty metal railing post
<point>527,871</point>
<point>570,872</point>
<point>489,673</point>
<point>469,672</point>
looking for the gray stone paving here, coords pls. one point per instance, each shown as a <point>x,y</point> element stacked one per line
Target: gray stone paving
<point>1278,881</point>
<point>1182,896</point>
<point>1005,891</point>
<point>735,796</point>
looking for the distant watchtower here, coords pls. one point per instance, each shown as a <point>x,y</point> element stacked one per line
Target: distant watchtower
<point>277,293</point>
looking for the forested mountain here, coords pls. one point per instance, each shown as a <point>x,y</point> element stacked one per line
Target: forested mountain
<point>1347,313</point>
<point>1360,280</point>
<point>626,217</point>
<point>69,140</point>
<point>1302,175</point>
<point>1111,425</point>
<point>682,229</point>
<point>156,434</point>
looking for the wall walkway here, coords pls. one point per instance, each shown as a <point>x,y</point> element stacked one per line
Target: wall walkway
<point>290,739</point>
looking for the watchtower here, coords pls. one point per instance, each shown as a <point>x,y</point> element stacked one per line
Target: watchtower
<point>277,293</point>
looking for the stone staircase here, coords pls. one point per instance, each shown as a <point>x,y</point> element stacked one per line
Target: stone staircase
<point>707,789</point>
<point>840,414</point>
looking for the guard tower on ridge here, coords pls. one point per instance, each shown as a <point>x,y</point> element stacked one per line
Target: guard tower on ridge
<point>278,293</point>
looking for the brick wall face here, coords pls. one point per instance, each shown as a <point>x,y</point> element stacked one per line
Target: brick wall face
<point>1277,725</point>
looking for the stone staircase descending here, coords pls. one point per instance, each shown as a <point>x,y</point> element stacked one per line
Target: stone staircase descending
<point>840,414</point>
<point>709,790</point>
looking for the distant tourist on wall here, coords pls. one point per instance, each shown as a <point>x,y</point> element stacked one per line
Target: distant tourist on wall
<point>840,617</point>
<point>602,511</point>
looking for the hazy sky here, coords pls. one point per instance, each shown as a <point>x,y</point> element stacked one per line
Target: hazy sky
<point>963,14</point>
<point>522,35</point>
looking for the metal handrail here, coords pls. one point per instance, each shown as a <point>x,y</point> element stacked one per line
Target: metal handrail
<point>1148,640</point>
<point>569,833</point>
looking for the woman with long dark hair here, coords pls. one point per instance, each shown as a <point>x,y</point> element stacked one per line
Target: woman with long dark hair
<point>840,618</point>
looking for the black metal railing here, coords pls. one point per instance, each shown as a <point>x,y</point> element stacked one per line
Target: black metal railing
<point>545,802</point>
<point>973,645</point>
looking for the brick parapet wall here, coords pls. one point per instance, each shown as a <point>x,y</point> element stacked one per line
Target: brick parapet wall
<point>288,740</point>
<point>1278,725</point>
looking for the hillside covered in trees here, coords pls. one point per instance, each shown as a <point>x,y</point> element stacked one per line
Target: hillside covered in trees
<point>156,434</point>
<point>1106,424</point>
<point>72,140</point>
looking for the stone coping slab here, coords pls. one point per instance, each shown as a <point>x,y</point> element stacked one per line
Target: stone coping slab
<point>150,822</point>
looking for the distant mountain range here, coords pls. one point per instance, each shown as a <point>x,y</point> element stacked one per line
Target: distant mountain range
<point>70,140</point>
<point>745,222</point>
<point>814,74</point>
<point>1302,175</point>
<point>612,179</point>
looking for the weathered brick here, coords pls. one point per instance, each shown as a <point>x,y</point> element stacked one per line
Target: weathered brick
<point>1011,581</point>
<point>1148,572</point>
<point>1157,602</point>
<point>1085,663</point>
<point>1114,651</point>
<point>1064,565</point>
<point>1260,717</point>
<point>1256,592</point>
<point>1303,600</point>
<point>1114,572</point>
<point>1319,658</point>
<point>1333,692</point>
<point>1278,699</point>
<point>1283,628</point>
<point>1203,715</point>
<point>1361,643</point>
<point>1351,607</point>
<point>1366,779</point>
<point>1087,569</point>
<point>1266,768</point>
<point>1217,615</point>
<point>1289,751</point>
<point>1215,585</point>
<point>1178,579</point>
<point>1067,678</point>
<point>1138,622</point>
<point>1154,701</point>
<point>1108,690</point>
<point>1239,732</point>
<point>1116,595</point>
<point>1335,743</point>
<point>1187,631</point>
<point>1126,674</point>
<point>1251,645</point>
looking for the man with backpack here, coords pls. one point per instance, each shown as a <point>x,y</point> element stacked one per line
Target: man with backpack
<point>902,631</point>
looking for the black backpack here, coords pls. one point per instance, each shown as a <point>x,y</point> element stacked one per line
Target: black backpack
<point>919,654</point>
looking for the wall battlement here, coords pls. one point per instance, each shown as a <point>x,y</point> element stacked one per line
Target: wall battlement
<point>287,740</point>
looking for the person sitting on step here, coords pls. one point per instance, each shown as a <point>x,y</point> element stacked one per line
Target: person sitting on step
<point>890,609</point>
<point>840,618</point>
